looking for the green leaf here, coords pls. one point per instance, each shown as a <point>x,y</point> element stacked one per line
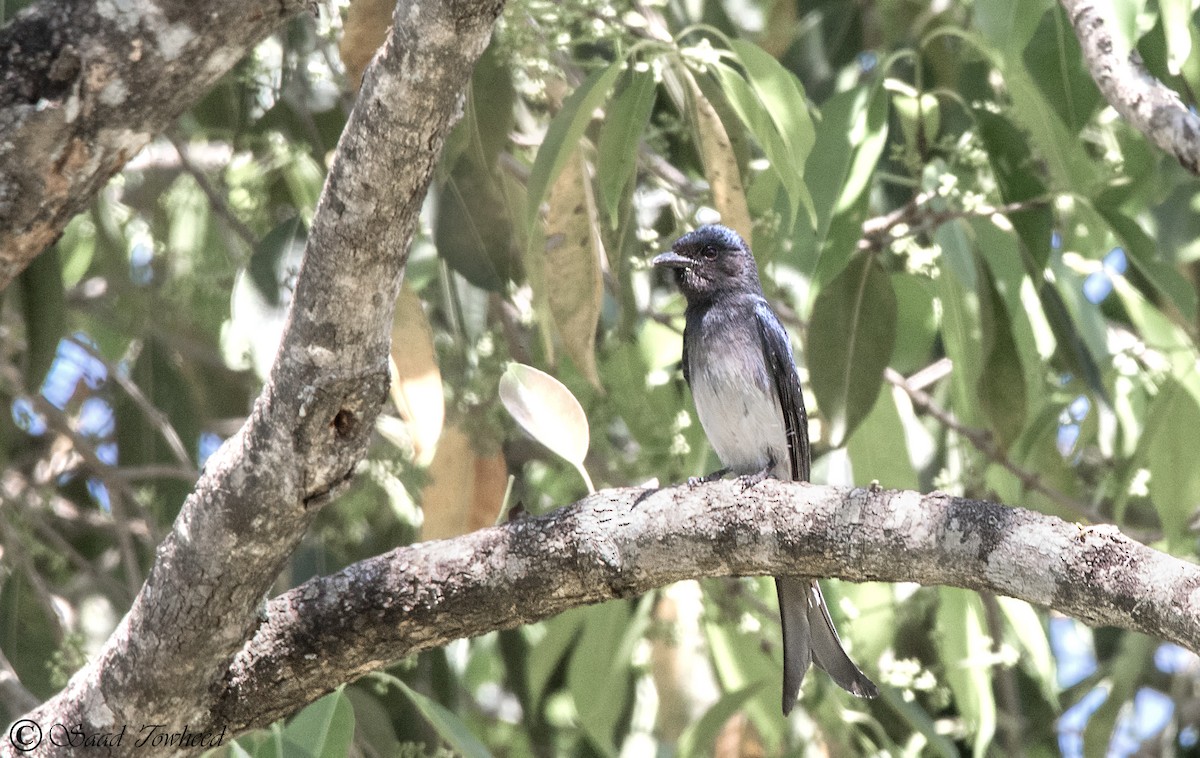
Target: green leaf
<point>783,96</point>
<point>1177,27</point>
<point>911,712</point>
<point>324,729</point>
<point>1174,429</point>
<point>700,737</point>
<point>473,229</point>
<point>850,339</point>
<point>562,137</point>
<point>617,152</point>
<point>758,121</point>
<point>267,261</point>
<point>1146,258</point>
<point>599,676</point>
<point>957,255</point>
<point>1008,152</point>
<point>77,247</point>
<point>916,323</point>
<point>849,143</point>
<point>1001,386</point>
<point>547,410</point>
<point>879,447</point>
<point>965,649</point>
<point>1055,61</point>
<point>561,633</point>
<point>448,725</point>
<point>261,743</point>
<point>1026,627</point>
<point>43,306</point>
<point>1009,25</point>
<point>1078,327</point>
<point>744,661</point>
<point>960,329</point>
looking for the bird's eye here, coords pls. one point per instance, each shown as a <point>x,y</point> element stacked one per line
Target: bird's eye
<point>709,252</point>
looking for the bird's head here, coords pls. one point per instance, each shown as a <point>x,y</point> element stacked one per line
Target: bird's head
<point>710,261</point>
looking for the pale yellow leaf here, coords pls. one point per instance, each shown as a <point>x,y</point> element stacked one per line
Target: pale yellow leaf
<point>489,486</point>
<point>571,271</point>
<point>547,410</point>
<point>465,489</point>
<point>416,380</point>
<point>720,162</point>
<point>447,498</point>
<point>366,27</point>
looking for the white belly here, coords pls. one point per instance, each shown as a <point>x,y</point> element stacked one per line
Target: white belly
<point>740,418</point>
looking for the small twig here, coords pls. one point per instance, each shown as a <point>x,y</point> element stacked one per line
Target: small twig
<point>157,418</point>
<point>668,173</point>
<point>982,441</point>
<point>218,203</point>
<point>119,490</point>
<point>931,374</point>
<point>157,471</point>
<point>875,230</point>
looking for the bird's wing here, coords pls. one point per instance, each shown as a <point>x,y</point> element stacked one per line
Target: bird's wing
<point>782,369</point>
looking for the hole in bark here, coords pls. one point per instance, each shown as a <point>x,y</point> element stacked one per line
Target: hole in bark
<point>343,422</point>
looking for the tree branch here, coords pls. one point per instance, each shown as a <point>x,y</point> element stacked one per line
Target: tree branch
<point>624,542</point>
<point>84,86</point>
<point>1150,106</point>
<point>310,426</point>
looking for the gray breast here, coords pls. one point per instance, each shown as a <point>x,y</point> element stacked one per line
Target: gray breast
<point>735,399</point>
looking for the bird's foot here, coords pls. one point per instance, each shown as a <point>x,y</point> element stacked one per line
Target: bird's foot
<point>694,481</point>
<point>749,480</point>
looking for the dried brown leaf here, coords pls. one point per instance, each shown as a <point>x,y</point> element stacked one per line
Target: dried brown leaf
<point>572,272</point>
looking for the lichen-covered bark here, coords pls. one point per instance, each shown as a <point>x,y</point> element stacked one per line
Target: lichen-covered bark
<point>310,427</point>
<point>84,85</point>
<point>624,542</point>
<point>1146,103</point>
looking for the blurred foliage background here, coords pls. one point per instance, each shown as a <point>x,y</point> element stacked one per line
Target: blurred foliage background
<point>990,278</point>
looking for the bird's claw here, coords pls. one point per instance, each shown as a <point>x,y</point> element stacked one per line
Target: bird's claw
<point>749,480</point>
<point>695,481</point>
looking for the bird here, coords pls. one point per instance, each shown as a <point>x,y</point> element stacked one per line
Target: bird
<point>738,361</point>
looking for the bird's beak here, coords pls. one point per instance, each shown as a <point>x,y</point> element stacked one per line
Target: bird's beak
<point>671,260</point>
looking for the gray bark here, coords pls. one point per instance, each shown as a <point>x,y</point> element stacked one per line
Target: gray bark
<point>624,542</point>
<point>85,85</point>
<point>1146,103</point>
<point>311,424</point>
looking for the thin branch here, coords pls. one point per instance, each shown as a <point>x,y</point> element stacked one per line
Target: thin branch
<point>157,418</point>
<point>982,441</point>
<point>1146,103</point>
<point>877,231</point>
<point>156,471</point>
<point>215,199</point>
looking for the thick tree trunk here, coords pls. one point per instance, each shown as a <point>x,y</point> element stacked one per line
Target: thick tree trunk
<point>85,85</point>
<point>311,424</point>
